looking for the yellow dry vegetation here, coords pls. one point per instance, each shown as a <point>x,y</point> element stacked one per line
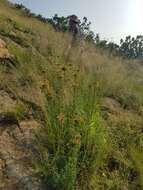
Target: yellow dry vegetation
<point>4,53</point>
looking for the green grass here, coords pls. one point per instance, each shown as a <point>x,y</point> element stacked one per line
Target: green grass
<point>89,104</point>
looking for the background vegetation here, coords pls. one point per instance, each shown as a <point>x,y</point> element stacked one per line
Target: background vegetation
<point>130,47</point>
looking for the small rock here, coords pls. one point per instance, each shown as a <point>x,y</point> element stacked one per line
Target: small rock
<point>110,105</point>
<point>4,53</point>
<point>7,120</point>
<point>30,183</point>
<point>2,44</point>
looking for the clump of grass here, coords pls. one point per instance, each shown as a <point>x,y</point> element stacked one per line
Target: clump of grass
<point>73,144</point>
<point>21,111</point>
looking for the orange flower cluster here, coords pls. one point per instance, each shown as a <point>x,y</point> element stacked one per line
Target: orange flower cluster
<point>61,118</point>
<point>77,140</point>
<point>79,120</point>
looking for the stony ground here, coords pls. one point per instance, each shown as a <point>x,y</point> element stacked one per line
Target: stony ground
<point>15,145</point>
<point>15,155</point>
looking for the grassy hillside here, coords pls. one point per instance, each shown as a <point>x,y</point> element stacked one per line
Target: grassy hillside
<point>89,105</point>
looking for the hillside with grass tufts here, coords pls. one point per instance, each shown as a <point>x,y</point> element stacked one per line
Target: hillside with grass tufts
<point>71,118</point>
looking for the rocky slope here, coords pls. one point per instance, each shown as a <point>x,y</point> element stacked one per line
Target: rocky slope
<point>15,143</point>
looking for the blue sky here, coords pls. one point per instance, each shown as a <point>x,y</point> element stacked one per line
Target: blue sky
<point>112,19</point>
